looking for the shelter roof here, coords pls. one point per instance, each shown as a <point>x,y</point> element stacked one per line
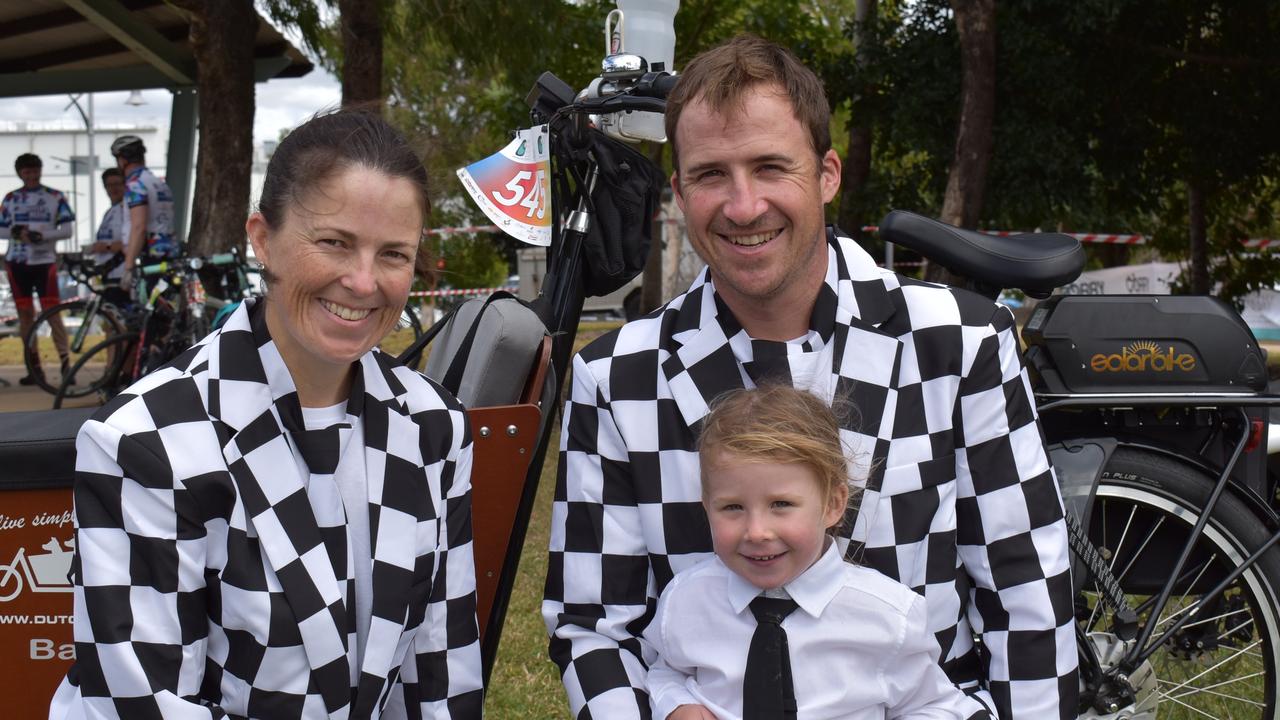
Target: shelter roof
<point>70,46</point>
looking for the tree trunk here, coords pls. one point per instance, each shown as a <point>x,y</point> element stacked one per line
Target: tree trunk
<point>221,35</point>
<point>361,25</point>
<point>962,204</point>
<point>651,283</point>
<point>1200,282</point>
<point>857,161</point>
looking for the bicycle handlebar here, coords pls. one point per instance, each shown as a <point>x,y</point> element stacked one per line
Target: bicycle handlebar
<point>190,263</point>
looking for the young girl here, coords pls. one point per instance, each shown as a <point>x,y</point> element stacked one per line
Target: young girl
<point>853,643</point>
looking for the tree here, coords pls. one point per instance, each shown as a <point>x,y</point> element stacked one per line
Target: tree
<point>1206,80</point>
<point>856,169</point>
<point>976,28</point>
<point>360,29</point>
<point>222,35</point>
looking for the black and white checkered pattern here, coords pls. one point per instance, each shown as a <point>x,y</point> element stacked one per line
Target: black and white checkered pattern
<point>203,581</point>
<point>960,503</point>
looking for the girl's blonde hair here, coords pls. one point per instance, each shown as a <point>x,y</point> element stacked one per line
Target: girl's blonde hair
<point>777,424</point>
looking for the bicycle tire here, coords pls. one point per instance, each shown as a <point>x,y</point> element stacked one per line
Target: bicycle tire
<point>1223,664</point>
<point>113,381</point>
<point>406,330</point>
<point>89,380</point>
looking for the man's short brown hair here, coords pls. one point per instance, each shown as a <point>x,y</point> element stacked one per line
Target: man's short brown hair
<point>723,75</point>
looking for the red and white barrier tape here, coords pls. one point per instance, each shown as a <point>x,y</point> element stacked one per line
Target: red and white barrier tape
<point>461,230</point>
<point>451,292</point>
<point>1261,243</point>
<point>1133,239</point>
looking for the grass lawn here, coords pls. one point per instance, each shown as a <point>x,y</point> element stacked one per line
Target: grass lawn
<point>525,683</point>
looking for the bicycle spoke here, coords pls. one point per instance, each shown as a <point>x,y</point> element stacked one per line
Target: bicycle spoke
<point>1097,605</point>
<point>1185,608</point>
<point>1190,707</point>
<point>1115,553</point>
<point>1138,553</point>
<point>1221,617</point>
<point>1209,690</point>
<point>1211,668</point>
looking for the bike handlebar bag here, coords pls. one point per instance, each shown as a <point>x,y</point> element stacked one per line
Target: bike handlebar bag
<point>624,201</point>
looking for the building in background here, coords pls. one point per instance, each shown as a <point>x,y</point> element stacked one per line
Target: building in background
<point>63,146</point>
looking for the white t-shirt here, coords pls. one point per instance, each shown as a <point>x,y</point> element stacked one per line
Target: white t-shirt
<point>858,644</point>
<point>111,230</point>
<point>352,482</point>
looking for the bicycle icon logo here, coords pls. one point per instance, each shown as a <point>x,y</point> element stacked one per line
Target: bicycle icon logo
<point>46,572</point>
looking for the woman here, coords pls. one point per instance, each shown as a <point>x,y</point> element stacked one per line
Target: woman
<point>277,524</point>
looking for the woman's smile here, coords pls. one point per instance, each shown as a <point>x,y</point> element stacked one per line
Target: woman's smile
<point>344,312</point>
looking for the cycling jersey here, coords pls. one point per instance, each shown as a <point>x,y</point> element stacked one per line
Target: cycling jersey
<point>43,210</point>
<point>111,230</point>
<point>142,187</point>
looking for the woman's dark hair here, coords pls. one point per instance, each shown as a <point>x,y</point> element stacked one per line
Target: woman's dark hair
<point>327,143</point>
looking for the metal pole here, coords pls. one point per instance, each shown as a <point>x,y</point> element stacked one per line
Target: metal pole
<point>93,188</point>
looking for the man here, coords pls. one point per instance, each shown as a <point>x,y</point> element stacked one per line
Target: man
<point>148,221</point>
<point>34,218</point>
<point>109,240</point>
<point>960,502</point>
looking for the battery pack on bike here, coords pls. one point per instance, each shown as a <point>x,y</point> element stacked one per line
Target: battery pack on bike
<point>1136,343</point>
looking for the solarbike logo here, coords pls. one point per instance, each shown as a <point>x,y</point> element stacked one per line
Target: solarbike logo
<point>1144,356</point>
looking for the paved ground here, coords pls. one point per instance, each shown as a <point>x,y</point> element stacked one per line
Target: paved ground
<point>19,397</point>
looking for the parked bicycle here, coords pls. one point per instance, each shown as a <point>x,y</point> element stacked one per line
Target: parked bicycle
<point>88,320</point>
<point>174,314</point>
<point>1155,409</point>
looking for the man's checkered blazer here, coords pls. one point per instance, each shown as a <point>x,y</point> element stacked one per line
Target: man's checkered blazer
<point>204,586</point>
<point>960,503</point>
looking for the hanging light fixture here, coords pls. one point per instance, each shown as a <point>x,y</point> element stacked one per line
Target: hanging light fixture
<point>135,99</point>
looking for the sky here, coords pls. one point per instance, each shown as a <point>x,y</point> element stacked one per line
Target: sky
<point>281,104</point>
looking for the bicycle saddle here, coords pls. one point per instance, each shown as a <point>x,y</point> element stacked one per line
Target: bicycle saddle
<point>1035,263</point>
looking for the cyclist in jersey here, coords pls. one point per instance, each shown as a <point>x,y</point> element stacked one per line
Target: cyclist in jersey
<point>148,220</point>
<point>110,238</point>
<point>33,219</point>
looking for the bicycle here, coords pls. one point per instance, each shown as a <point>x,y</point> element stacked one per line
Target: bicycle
<point>173,317</point>
<point>93,318</point>
<point>1154,408</point>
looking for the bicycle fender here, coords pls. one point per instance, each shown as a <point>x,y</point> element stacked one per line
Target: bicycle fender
<point>1078,464</point>
<point>1260,507</point>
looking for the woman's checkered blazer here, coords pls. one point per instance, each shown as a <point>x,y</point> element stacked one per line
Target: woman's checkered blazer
<point>206,588</point>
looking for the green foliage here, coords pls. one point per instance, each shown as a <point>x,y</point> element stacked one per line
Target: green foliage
<point>471,262</point>
<point>1105,110</point>
<point>306,17</point>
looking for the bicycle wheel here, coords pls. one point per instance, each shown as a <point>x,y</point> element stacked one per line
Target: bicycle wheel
<point>111,353</point>
<point>83,333</point>
<point>407,330</point>
<point>1222,664</point>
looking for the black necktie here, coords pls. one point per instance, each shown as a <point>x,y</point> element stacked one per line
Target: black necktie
<point>767,690</point>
